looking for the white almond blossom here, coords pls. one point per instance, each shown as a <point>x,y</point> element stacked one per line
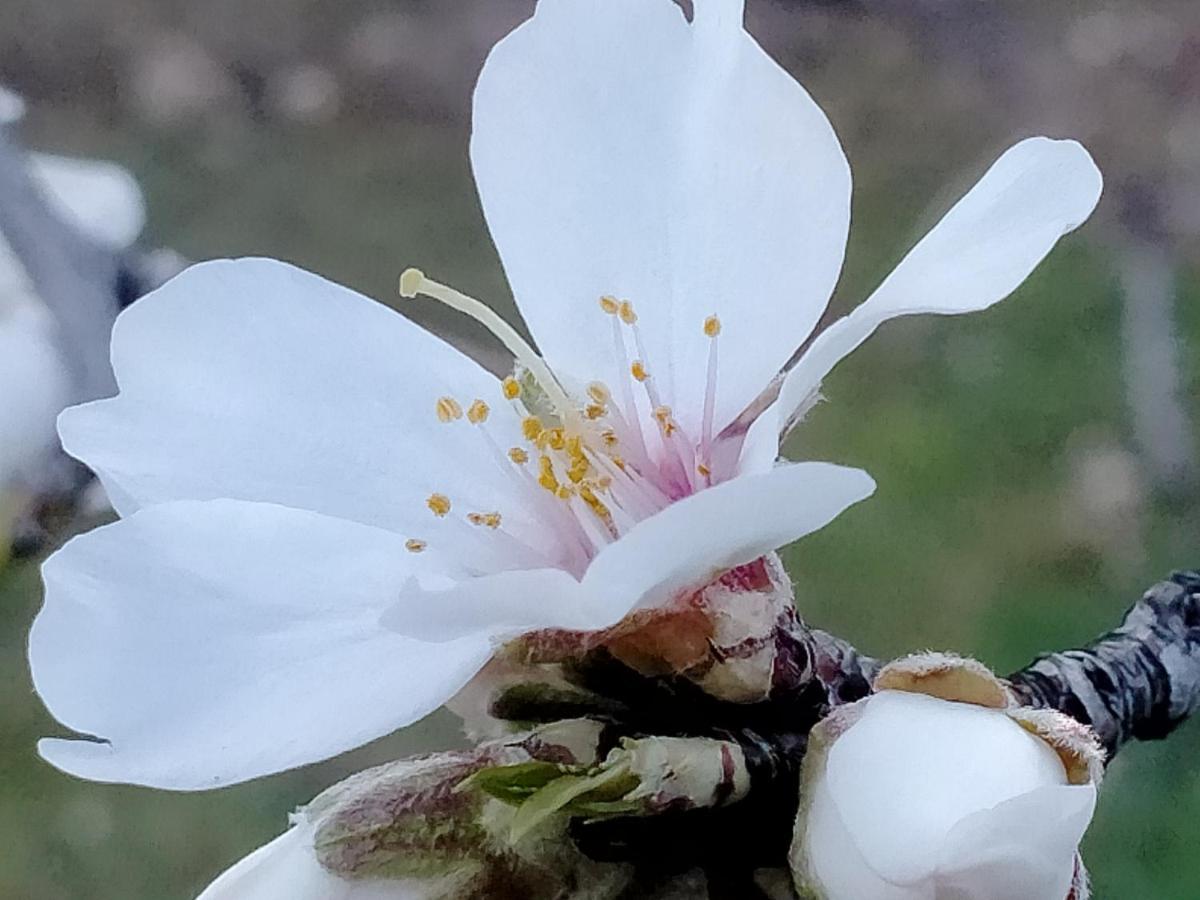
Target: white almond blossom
<point>103,201</point>
<point>330,517</point>
<point>938,787</point>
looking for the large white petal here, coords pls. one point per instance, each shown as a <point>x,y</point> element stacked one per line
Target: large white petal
<point>287,869</point>
<point>213,642</point>
<point>255,380</point>
<point>977,255</point>
<point>684,545</point>
<point>936,762</point>
<point>99,198</point>
<point>620,150</point>
<point>1022,849</point>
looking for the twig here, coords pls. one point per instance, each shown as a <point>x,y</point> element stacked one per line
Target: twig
<point>1140,681</point>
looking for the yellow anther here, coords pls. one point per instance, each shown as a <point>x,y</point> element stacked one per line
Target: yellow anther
<point>599,392</point>
<point>712,326</point>
<point>546,476</point>
<point>588,496</point>
<point>594,411</point>
<point>638,370</point>
<point>703,470</point>
<point>609,437</point>
<point>554,438</point>
<point>619,463</point>
<point>518,455</point>
<point>609,305</point>
<point>448,409</point>
<point>628,316</point>
<point>410,283</point>
<point>490,520</point>
<point>604,482</point>
<point>663,415</point>
<point>531,427</point>
<point>477,412</point>
<point>578,469</point>
<point>439,504</point>
<point>511,388</point>
<point>566,492</point>
<point>412,545</point>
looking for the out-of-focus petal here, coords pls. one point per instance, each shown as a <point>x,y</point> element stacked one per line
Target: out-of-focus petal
<point>100,198</point>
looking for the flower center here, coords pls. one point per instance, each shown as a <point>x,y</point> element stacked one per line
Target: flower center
<point>593,465</point>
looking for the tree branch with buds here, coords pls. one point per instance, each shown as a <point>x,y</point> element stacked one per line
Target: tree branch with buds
<point>678,773</point>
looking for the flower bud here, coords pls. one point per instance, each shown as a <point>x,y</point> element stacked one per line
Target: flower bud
<point>414,830</point>
<point>735,637</point>
<point>935,787</point>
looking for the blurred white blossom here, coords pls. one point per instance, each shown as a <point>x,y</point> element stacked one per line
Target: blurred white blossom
<point>103,202</point>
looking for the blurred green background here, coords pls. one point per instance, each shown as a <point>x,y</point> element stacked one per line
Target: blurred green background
<point>1036,462</point>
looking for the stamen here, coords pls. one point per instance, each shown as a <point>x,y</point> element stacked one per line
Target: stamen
<point>531,427</point>
<point>712,328</point>
<point>439,505</point>
<point>546,476</point>
<point>490,520</point>
<point>477,412</point>
<point>448,409</point>
<point>638,370</point>
<point>599,393</point>
<point>703,471</point>
<point>511,388</point>
<point>412,545</point>
<point>628,316</point>
<point>663,415</point>
<point>627,400</point>
<point>610,305</point>
<point>518,455</point>
<point>552,438</point>
<point>414,282</point>
<point>594,411</point>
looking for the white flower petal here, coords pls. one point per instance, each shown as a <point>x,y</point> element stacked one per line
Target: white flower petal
<point>287,869</point>
<point>12,106</point>
<point>99,198</point>
<point>34,386</point>
<point>976,256</point>
<point>210,643</point>
<point>1022,849</point>
<point>724,526</point>
<point>255,380</point>
<point>835,859</point>
<point>619,150</point>
<point>505,604</point>
<point>684,545</point>
<point>936,762</point>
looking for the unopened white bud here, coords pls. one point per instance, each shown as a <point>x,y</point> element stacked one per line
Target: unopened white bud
<point>911,795</point>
